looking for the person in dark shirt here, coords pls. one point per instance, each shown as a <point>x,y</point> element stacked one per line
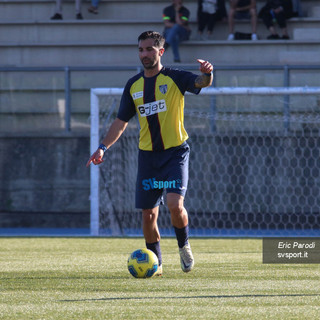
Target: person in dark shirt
<point>176,29</point>
<point>209,12</point>
<point>276,12</point>
<point>243,9</point>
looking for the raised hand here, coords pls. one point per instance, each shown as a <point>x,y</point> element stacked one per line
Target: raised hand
<point>205,66</point>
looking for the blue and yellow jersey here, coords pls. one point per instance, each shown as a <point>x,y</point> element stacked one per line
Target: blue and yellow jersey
<point>159,103</point>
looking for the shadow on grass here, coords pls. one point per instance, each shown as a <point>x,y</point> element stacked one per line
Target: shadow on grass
<point>198,297</point>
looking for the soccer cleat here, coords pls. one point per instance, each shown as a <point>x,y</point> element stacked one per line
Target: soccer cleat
<point>159,271</point>
<point>186,258</point>
<point>254,37</point>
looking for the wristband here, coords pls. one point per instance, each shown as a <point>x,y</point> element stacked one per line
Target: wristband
<point>208,74</point>
<point>102,147</point>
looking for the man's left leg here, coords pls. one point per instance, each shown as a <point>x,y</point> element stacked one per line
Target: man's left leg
<point>180,222</point>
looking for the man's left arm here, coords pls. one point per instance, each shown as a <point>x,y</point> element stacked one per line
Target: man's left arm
<point>205,79</point>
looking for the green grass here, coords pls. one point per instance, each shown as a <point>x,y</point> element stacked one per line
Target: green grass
<point>79,278</point>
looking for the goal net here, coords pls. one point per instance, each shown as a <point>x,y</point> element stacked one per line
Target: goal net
<point>254,164</point>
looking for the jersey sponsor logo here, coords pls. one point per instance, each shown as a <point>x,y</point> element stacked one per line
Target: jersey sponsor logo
<point>137,95</point>
<point>163,88</point>
<point>148,109</point>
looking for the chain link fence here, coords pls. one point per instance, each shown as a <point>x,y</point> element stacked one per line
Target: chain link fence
<point>254,167</point>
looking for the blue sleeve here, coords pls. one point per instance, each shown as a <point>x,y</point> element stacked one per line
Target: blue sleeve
<point>127,108</point>
<point>191,84</point>
<point>185,80</point>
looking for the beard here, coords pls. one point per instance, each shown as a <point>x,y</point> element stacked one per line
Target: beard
<point>148,63</point>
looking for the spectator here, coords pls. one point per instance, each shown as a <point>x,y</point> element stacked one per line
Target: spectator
<point>176,18</point>
<point>94,6</point>
<point>58,14</point>
<point>210,11</point>
<point>276,12</point>
<point>243,9</point>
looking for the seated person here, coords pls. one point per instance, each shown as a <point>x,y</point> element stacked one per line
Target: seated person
<point>276,12</point>
<point>209,12</point>
<point>243,9</point>
<point>176,29</point>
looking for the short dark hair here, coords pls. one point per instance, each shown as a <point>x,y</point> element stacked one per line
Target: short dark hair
<point>159,40</point>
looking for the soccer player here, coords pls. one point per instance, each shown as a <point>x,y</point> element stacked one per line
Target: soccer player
<point>156,95</point>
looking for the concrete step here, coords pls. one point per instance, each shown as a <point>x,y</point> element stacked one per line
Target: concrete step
<point>128,30</point>
<point>111,9</point>
<point>314,11</point>
<point>54,81</point>
<point>306,34</point>
<point>42,123</point>
<point>119,53</point>
<point>74,31</point>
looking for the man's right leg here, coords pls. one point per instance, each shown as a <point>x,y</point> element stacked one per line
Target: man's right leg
<point>148,199</point>
<point>151,233</point>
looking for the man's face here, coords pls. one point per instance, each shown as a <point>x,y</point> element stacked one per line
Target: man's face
<point>149,54</point>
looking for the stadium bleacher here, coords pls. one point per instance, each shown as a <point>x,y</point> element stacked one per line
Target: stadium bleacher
<point>30,38</point>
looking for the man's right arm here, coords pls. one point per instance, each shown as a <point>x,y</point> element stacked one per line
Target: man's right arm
<point>114,133</point>
<point>117,128</point>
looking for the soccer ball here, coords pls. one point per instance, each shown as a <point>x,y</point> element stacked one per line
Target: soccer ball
<point>142,263</point>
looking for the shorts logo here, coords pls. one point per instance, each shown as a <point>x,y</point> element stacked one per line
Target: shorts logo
<point>163,88</point>
<point>150,184</point>
<point>148,109</point>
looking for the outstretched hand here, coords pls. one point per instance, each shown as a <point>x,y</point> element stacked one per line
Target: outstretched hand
<point>205,66</point>
<point>96,158</point>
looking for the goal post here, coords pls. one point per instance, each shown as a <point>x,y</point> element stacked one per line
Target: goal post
<point>224,197</point>
<point>94,143</point>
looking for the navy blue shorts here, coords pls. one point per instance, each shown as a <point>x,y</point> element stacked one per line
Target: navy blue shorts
<point>161,170</point>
